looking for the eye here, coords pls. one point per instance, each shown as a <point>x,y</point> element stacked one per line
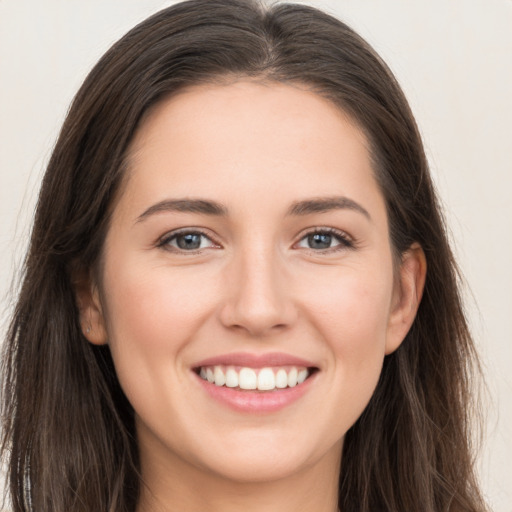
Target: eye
<point>187,241</point>
<point>325,239</point>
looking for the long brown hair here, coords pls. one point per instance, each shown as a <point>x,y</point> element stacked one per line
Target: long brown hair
<point>68,432</point>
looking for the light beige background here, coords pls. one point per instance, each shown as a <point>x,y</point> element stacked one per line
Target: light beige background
<point>452,57</point>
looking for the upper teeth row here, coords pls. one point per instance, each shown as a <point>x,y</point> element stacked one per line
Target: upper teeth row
<point>264,379</point>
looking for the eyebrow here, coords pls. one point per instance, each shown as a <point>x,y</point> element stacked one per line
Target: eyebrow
<point>203,206</point>
<point>208,207</point>
<point>326,204</point>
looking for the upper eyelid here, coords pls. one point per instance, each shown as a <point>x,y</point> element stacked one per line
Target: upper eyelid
<point>325,229</point>
<point>186,230</point>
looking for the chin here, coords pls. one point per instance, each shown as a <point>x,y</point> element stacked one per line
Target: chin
<point>269,457</point>
<point>256,470</point>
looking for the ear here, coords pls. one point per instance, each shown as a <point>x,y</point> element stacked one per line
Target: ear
<point>407,294</point>
<point>90,310</point>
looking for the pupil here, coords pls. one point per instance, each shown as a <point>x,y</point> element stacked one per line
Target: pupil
<point>189,241</point>
<point>319,241</point>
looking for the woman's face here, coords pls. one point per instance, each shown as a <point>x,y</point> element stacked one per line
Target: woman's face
<point>250,244</point>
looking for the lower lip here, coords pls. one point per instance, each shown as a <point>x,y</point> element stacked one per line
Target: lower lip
<point>249,401</point>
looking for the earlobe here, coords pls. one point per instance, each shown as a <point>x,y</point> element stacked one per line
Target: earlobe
<point>407,296</point>
<point>90,309</point>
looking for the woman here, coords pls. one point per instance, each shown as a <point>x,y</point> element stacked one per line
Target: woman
<point>239,291</point>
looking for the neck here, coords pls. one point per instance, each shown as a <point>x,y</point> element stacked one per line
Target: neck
<point>176,485</point>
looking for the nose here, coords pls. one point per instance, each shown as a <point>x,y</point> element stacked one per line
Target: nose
<point>258,298</point>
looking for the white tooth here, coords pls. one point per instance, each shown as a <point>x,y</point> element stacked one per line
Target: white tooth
<point>220,378</point>
<point>292,377</point>
<point>247,379</point>
<point>231,378</point>
<point>302,376</point>
<point>266,379</point>
<point>209,375</point>
<point>202,373</point>
<point>281,379</point>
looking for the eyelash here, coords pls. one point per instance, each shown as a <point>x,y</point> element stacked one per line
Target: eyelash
<point>164,242</point>
<point>345,241</point>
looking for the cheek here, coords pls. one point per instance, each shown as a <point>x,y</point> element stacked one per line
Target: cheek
<point>152,315</point>
<point>155,308</point>
<point>350,309</point>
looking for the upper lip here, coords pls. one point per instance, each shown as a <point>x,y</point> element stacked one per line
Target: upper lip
<point>255,360</point>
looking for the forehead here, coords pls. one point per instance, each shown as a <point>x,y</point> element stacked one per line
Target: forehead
<point>256,107</point>
<point>242,138</point>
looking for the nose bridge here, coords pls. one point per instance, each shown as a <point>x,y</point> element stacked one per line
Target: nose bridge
<point>258,299</point>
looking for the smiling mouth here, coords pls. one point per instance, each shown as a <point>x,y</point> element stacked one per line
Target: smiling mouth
<point>255,379</point>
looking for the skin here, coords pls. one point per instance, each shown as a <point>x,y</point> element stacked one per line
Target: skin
<point>255,286</point>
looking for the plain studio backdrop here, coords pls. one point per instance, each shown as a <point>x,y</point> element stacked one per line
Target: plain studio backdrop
<point>452,57</point>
